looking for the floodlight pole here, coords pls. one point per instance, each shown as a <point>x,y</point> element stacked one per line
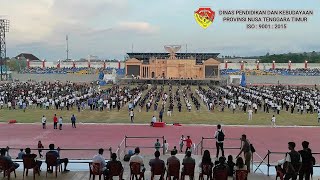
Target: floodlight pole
<point>4,27</point>
<point>67,51</point>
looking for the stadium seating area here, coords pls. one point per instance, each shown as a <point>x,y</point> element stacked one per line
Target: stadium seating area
<point>181,168</point>
<point>277,71</point>
<point>76,70</point>
<point>295,72</point>
<point>38,70</point>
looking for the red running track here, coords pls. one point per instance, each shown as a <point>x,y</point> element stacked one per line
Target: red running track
<point>94,136</point>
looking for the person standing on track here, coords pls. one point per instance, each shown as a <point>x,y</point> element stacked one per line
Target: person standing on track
<point>44,121</point>
<point>73,121</point>
<point>273,121</point>
<point>181,143</point>
<point>219,136</point>
<point>188,144</point>
<point>131,114</point>
<point>40,147</point>
<point>55,121</point>
<point>60,123</point>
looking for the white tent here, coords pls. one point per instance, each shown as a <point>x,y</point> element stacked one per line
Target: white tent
<point>234,79</point>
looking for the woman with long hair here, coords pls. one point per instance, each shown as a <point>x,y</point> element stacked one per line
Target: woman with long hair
<point>240,164</point>
<point>205,165</point>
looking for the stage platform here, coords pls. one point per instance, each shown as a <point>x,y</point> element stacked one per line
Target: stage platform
<point>213,81</point>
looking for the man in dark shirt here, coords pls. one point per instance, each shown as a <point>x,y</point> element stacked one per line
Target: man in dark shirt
<point>56,154</point>
<point>73,121</point>
<point>8,159</point>
<point>35,163</point>
<point>157,162</point>
<point>307,164</point>
<point>221,166</point>
<point>114,162</point>
<point>292,162</point>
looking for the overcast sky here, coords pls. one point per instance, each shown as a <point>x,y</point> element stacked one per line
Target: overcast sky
<point>108,28</point>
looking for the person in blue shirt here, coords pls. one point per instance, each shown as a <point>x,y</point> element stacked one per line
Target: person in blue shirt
<point>56,154</point>
<point>73,121</point>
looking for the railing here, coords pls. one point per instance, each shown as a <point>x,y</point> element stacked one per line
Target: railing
<point>201,145</point>
<point>121,150</point>
<point>127,145</point>
<point>266,160</point>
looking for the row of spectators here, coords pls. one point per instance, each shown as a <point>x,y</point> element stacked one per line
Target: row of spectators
<point>296,72</point>
<point>276,71</point>
<point>53,70</point>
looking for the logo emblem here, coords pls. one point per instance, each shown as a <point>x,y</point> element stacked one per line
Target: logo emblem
<point>204,17</point>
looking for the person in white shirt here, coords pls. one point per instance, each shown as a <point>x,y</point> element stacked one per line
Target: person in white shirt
<point>250,114</point>
<point>100,159</point>
<point>233,107</point>
<point>136,158</point>
<point>44,121</point>
<point>166,146</point>
<point>60,123</point>
<point>181,142</point>
<point>273,121</point>
<point>131,114</point>
<point>153,120</point>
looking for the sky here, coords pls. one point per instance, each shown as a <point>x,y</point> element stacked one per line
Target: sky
<point>110,28</point>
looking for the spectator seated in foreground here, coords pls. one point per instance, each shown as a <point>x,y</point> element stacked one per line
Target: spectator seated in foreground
<point>59,160</point>
<point>137,158</point>
<point>221,166</point>
<point>157,165</point>
<point>35,163</point>
<point>8,159</point>
<point>114,165</point>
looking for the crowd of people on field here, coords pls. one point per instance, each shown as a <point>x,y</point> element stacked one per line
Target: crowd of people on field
<point>251,100</point>
<point>65,96</point>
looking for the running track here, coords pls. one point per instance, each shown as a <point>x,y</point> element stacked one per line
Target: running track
<point>94,136</point>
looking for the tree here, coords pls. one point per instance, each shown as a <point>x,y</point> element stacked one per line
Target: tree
<point>16,65</point>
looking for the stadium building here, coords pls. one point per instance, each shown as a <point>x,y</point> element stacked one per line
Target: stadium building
<point>173,66</point>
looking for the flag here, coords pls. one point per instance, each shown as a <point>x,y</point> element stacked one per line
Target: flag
<point>243,82</point>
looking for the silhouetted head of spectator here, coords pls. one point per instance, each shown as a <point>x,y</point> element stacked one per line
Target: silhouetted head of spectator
<point>188,154</point>
<point>173,153</point>
<point>114,156</point>
<point>3,151</point>
<point>219,126</point>
<point>230,158</point>
<point>291,145</point>
<point>137,150</point>
<point>28,150</point>
<point>305,144</point>
<point>222,160</point>
<point>101,151</point>
<point>157,154</point>
<point>51,146</point>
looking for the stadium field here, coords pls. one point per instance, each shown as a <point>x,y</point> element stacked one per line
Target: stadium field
<point>194,117</point>
<point>201,116</point>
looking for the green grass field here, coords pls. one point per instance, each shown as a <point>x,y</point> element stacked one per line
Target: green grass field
<point>194,117</point>
<point>203,116</point>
